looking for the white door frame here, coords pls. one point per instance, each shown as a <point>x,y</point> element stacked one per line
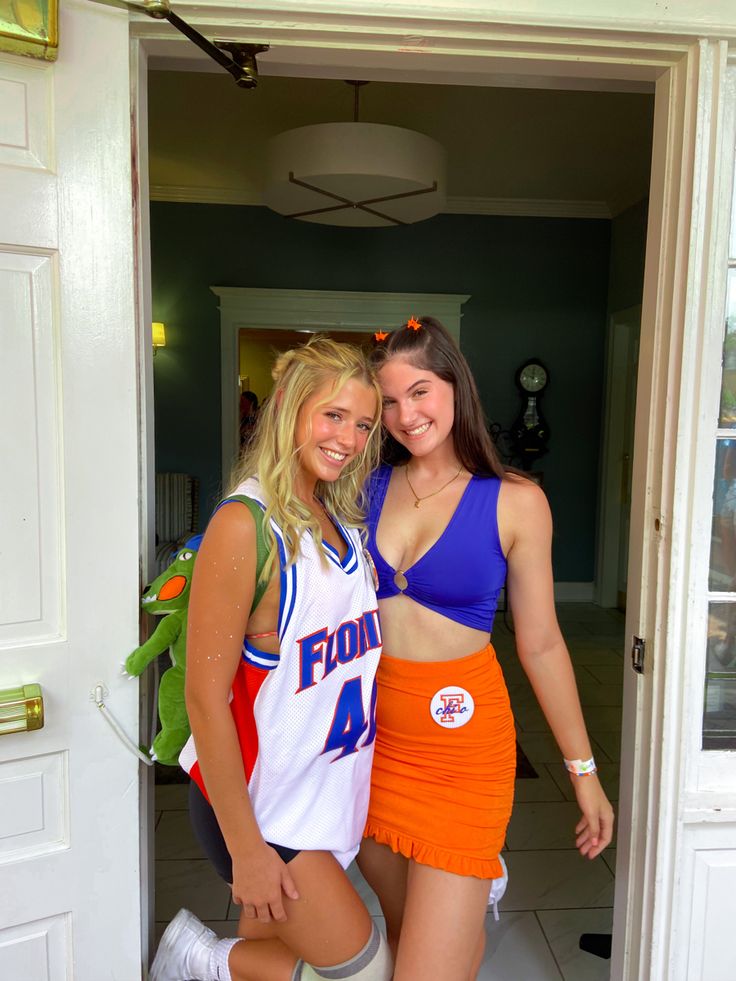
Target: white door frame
<point>242,308</point>
<point>612,474</point>
<point>687,74</point>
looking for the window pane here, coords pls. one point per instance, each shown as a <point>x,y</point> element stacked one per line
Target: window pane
<point>719,719</point>
<point>732,245</point>
<point>722,577</point>
<point>728,385</point>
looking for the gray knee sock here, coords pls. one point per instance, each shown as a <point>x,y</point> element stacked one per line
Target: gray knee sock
<point>372,963</point>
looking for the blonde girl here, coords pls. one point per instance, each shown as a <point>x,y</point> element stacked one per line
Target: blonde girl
<point>283,722</point>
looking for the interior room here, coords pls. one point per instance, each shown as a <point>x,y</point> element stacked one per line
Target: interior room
<point>544,231</point>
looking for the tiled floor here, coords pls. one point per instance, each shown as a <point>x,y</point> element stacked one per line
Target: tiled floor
<point>553,895</point>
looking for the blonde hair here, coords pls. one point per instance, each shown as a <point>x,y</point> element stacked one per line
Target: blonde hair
<point>273,455</point>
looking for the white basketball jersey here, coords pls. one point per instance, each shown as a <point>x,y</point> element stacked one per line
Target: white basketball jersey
<point>306,716</point>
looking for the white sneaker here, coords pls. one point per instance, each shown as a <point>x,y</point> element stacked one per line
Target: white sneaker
<point>498,888</point>
<point>184,951</point>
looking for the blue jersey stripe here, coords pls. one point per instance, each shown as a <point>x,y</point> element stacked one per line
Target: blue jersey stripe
<point>259,662</point>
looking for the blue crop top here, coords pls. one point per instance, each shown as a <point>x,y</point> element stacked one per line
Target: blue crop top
<point>461,575</point>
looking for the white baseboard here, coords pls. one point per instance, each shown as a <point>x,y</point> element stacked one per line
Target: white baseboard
<point>574,592</point>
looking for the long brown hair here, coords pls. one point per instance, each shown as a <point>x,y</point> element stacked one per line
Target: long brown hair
<point>431,348</point>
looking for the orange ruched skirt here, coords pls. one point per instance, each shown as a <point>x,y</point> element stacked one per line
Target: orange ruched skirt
<point>442,785</point>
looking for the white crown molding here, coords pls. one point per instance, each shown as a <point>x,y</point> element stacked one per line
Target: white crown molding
<point>417,19</point>
<point>191,194</point>
<point>527,207</point>
<point>512,207</point>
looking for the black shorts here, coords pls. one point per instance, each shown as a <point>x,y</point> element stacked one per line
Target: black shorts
<point>208,834</point>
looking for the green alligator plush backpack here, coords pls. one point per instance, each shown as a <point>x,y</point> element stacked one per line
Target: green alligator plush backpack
<point>168,596</point>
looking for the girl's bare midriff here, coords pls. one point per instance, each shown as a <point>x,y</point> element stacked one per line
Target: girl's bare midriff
<point>416,633</point>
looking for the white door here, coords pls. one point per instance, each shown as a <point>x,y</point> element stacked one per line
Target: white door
<point>69,512</point>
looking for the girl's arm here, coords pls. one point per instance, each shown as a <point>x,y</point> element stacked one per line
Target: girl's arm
<point>527,521</point>
<point>223,584</point>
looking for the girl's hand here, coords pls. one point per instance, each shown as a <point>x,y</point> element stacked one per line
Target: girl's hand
<point>260,879</point>
<point>594,830</point>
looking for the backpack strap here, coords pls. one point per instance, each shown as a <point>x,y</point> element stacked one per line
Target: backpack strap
<point>261,547</point>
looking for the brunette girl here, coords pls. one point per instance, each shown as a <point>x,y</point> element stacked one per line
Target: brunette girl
<point>447,528</point>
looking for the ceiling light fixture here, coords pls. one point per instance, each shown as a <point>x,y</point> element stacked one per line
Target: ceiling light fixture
<point>355,174</point>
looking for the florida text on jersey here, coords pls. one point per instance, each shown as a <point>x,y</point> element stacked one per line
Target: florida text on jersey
<point>305,716</point>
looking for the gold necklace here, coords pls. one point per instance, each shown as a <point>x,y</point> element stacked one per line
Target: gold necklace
<point>417,499</point>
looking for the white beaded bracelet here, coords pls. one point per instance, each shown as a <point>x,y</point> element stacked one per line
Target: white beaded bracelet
<point>581,768</point>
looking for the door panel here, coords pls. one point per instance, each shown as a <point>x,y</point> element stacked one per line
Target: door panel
<point>69,512</point>
<point>30,607</point>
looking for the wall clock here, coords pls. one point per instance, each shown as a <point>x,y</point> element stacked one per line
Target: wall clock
<point>530,431</point>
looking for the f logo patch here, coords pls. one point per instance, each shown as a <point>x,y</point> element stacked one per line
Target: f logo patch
<point>452,707</point>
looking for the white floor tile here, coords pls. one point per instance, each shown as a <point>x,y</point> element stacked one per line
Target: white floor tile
<point>175,838</point>
<point>556,880</point>
<point>539,747</point>
<point>172,796</point>
<point>541,788</point>
<point>542,825</point>
<point>563,928</point>
<point>516,950</point>
<point>364,890</point>
<point>610,743</point>
<point>606,718</point>
<point>607,674</point>
<point>529,717</point>
<point>597,694</point>
<point>193,884</point>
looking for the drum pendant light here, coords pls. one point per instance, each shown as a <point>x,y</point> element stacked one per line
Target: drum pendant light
<point>355,174</point>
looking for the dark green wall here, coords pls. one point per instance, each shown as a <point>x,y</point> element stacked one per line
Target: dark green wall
<point>539,287</point>
<point>628,243</point>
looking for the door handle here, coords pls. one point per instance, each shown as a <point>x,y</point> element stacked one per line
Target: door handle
<point>21,709</point>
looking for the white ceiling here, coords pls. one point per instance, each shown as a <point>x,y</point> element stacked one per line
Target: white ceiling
<point>521,151</point>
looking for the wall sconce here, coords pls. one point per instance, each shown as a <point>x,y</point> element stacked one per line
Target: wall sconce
<point>158,332</point>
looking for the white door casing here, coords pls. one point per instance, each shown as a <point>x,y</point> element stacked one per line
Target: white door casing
<point>664,835</point>
<point>69,864</point>
<point>616,454</point>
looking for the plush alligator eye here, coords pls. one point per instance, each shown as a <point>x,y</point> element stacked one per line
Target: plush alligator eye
<point>185,556</point>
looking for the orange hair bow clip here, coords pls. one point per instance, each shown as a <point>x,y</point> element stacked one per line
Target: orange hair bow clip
<point>380,336</point>
<point>413,324</point>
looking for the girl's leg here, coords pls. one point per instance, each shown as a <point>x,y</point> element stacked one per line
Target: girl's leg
<point>385,872</point>
<point>261,960</point>
<point>444,915</point>
<point>478,956</point>
<point>327,925</point>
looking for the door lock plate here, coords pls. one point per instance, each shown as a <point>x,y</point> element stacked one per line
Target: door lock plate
<point>638,648</point>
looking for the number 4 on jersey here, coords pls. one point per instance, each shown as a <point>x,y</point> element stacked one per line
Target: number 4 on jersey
<point>349,722</point>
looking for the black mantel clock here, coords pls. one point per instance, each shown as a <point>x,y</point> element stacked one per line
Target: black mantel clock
<point>530,431</point>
